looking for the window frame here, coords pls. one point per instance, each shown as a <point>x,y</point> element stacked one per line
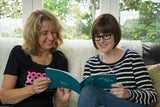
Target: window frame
<point>29,6</point>
<point>106,6</point>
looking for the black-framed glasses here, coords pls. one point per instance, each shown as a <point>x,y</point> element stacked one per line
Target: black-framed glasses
<point>106,36</point>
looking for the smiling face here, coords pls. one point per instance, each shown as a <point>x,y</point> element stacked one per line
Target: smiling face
<point>105,46</point>
<point>47,36</point>
<point>103,25</point>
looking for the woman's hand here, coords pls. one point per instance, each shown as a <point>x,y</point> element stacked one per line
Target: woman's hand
<point>62,97</point>
<point>41,84</point>
<point>119,91</point>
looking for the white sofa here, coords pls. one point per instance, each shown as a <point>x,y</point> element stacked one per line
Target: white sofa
<point>77,52</point>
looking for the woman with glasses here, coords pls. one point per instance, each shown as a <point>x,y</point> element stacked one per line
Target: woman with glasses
<point>134,87</point>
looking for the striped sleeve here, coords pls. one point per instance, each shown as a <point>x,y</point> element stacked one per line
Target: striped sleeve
<point>144,93</point>
<point>87,71</point>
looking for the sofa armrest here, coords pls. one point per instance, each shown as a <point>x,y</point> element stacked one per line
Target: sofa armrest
<point>151,53</point>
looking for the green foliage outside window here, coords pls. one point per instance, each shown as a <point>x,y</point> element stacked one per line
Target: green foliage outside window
<point>147,26</point>
<point>77,24</point>
<point>11,9</point>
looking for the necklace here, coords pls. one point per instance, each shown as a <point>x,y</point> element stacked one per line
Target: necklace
<point>111,71</point>
<point>113,57</point>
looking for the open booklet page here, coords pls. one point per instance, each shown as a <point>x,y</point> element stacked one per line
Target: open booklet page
<point>64,79</point>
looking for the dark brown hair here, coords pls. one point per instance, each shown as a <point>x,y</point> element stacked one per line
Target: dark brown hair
<point>106,23</point>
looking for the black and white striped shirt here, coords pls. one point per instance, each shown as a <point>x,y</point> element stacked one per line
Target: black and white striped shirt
<point>131,72</point>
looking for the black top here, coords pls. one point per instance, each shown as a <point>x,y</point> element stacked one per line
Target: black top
<point>21,65</point>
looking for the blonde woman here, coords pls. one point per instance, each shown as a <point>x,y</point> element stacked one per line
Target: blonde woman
<point>24,83</point>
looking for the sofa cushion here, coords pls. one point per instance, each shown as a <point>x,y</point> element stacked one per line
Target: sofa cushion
<point>154,71</point>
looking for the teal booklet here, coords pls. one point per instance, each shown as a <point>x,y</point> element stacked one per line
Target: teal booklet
<point>64,79</point>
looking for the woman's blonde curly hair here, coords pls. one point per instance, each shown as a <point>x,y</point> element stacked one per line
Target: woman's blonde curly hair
<point>33,26</point>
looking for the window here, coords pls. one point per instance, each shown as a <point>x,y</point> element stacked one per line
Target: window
<point>75,15</point>
<point>11,18</point>
<point>140,20</point>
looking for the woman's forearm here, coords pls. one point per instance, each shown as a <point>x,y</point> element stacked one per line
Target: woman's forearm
<point>13,96</point>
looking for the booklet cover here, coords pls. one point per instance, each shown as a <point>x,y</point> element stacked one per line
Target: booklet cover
<point>64,79</point>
